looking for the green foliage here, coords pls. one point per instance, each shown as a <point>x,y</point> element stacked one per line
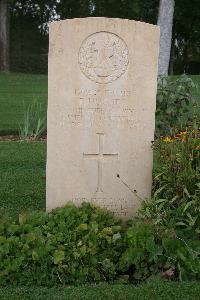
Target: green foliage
<point>182,256</point>
<point>187,35</point>
<point>152,250</point>
<point>142,253</point>
<point>34,122</point>
<point>29,21</point>
<point>176,190</point>
<point>82,245</point>
<point>69,245</point>
<point>175,103</point>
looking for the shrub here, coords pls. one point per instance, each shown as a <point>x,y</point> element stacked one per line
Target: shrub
<point>176,190</point>
<point>175,103</point>
<point>68,245</point>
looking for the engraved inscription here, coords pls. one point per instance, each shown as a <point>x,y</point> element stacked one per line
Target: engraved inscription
<point>119,206</point>
<point>103,57</point>
<point>96,108</point>
<point>100,156</point>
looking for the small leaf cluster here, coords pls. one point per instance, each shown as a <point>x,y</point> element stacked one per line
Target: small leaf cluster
<point>68,245</point>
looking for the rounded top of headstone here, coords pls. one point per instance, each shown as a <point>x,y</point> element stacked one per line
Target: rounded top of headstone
<point>103,57</point>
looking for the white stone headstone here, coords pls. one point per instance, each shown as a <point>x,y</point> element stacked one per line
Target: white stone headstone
<point>101,113</point>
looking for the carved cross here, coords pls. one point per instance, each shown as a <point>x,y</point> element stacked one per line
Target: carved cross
<point>100,156</point>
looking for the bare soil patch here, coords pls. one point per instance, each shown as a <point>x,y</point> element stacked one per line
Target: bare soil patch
<point>8,138</point>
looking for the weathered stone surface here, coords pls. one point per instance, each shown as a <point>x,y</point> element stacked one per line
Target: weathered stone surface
<point>101,109</point>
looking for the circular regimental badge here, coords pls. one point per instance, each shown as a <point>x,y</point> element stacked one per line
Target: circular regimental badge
<point>103,57</point>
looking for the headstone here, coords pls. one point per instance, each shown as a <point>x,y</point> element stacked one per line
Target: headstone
<point>101,113</point>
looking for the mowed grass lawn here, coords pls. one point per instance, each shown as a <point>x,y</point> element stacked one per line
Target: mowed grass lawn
<point>149,291</point>
<point>17,90</point>
<point>22,176</point>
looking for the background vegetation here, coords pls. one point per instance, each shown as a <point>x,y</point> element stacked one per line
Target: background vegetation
<point>29,34</point>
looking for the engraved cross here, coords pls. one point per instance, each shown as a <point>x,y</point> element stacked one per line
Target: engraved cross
<point>100,156</point>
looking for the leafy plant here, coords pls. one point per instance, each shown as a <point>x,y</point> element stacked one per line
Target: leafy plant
<point>176,190</point>
<point>141,257</point>
<point>175,103</point>
<point>156,252</point>
<point>81,245</point>
<point>182,256</point>
<point>34,121</point>
<point>68,245</point>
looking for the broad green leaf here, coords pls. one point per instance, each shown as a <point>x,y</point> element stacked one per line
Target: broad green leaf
<point>58,256</point>
<point>188,205</point>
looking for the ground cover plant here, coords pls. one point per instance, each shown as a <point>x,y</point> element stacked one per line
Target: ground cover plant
<point>87,245</point>
<point>69,245</point>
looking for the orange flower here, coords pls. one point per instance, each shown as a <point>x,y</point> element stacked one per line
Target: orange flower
<point>168,139</point>
<point>182,135</point>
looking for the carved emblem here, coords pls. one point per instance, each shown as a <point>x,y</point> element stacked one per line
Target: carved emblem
<point>103,57</point>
